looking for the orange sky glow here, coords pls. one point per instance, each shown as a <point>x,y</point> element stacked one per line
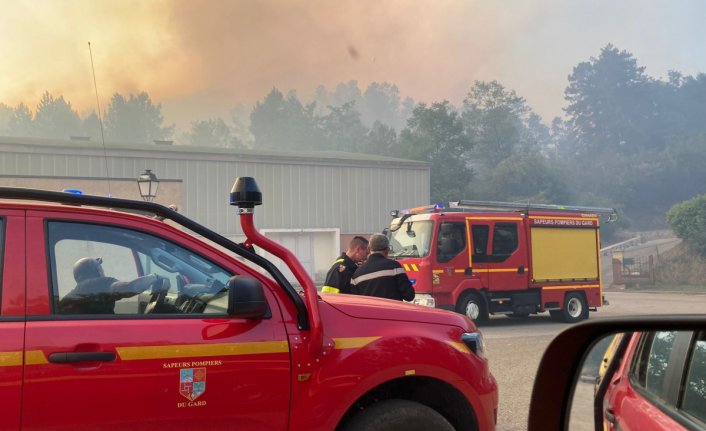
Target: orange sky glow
<point>199,59</point>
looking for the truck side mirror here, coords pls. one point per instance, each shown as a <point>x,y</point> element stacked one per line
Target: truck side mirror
<point>246,298</point>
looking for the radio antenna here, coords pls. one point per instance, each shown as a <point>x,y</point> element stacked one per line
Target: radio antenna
<point>100,119</point>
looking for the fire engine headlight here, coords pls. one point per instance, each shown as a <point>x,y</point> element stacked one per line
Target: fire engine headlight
<point>424,299</point>
<point>474,341</point>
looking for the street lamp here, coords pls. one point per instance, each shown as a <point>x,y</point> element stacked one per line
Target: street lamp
<point>148,182</point>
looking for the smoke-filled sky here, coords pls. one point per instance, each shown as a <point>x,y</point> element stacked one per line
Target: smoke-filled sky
<point>201,58</point>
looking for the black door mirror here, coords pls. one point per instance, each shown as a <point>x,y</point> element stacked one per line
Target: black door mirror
<point>246,298</point>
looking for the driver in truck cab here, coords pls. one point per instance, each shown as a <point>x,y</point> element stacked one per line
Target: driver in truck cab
<point>95,293</point>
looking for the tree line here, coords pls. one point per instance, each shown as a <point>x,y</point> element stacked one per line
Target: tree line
<point>627,140</point>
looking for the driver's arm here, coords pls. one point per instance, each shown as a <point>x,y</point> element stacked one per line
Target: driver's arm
<point>126,289</point>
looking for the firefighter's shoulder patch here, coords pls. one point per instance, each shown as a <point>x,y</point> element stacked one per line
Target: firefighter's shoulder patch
<point>341,268</point>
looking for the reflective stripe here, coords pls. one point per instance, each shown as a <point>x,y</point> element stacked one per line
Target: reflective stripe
<point>10,359</point>
<point>378,274</point>
<point>458,346</point>
<point>410,267</point>
<point>330,289</point>
<point>35,357</point>
<point>352,342</point>
<point>341,260</point>
<point>201,350</point>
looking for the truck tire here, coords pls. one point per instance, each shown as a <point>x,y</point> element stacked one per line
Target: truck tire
<point>575,309</point>
<point>472,305</point>
<point>398,415</point>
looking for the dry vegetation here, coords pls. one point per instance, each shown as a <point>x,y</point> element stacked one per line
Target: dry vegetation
<point>682,266</point>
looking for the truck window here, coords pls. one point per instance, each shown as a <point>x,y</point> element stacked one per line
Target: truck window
<point>451,240</point>
<point>99,269</point>
<point>504,238</point>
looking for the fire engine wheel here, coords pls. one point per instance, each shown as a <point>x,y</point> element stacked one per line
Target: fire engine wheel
<point>471,304</point>
<point>575,309</point>
<point>398,415</point>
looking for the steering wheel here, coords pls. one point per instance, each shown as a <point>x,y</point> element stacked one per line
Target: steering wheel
<point>158,294</point>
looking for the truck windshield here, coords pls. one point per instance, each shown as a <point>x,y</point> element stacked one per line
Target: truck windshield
<point>412,239</point>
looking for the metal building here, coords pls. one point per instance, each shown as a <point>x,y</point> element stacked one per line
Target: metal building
<point>313,203</point>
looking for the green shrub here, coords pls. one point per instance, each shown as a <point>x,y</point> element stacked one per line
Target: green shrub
<point>688,221</point>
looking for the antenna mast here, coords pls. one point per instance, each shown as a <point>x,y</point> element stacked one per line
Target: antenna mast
<point>100,119</point>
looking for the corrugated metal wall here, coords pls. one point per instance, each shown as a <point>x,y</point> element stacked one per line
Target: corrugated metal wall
<point>350,194</point>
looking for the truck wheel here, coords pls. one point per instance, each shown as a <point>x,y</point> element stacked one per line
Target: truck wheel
<point>575,309</point>
<point>398,415</point>
<point>471,304</point>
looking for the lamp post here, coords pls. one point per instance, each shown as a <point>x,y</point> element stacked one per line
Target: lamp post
<point>148,183</point>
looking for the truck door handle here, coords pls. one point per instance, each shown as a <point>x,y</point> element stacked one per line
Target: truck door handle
<point>521,270</point>
<point>69,357</point>
<point>610,416</point>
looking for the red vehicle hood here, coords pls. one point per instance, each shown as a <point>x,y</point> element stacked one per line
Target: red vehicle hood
<point>366,307</point>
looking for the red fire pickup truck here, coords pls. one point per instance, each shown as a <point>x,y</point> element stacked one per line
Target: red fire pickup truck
<point>112,318</point>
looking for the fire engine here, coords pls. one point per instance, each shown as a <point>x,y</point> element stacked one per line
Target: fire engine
<point>117,314</point>
<point>480,258</point>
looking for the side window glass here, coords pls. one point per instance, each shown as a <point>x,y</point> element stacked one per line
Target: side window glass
<point>451,240</point>
<point>653,360</point>
<point>694,400</point>
<point>480,239</point>
<point>107,270</point>
<point>504,238</point>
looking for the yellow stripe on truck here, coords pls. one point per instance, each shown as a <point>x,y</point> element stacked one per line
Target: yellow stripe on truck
<point>201,350</point>
<point>10,359</point>
<point>458,346</point>
<point>352,342</point>
<point>35,357</point>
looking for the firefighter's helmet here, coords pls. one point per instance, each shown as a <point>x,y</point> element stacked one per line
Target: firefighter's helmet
<point>87,268</point>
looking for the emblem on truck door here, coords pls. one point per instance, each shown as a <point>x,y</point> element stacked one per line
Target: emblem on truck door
<point>192,382</point>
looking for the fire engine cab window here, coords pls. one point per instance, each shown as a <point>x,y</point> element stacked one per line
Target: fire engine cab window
<point>504,239</point>
<point>451,240</point>
<point>106,270</point>
<point>694,401</point>
<point>650,367</point>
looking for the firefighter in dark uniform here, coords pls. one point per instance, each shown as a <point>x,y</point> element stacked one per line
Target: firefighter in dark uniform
<point>380,276</point>
<point>95,293</point>
<point>338,278</point>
